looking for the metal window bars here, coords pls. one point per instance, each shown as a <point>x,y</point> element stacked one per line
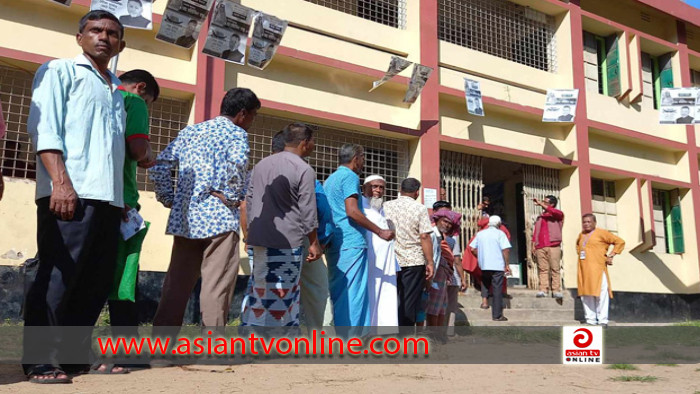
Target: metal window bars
<point>16,157</point>
<point>387,12</point>
<point>167,117</point>
<point>461,176</point>
<point>500,28</point>
<point>384,156</point>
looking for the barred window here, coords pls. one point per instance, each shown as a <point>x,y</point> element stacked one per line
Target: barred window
<point>168,117</point>
<point>387,157</point>
<point>16,157</point>
<point>500,28</point>
<point>387,12</point>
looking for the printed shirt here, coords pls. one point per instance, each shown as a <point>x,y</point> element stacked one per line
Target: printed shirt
<point>136,127</point>
<point>411,220</point>
<point>341,185</point>
<point>75,111</point>
<point>490,244</point>
<point>212,157</point>
<point>324,214</point>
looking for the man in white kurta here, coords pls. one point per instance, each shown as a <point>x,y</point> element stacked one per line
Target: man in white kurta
<point>382,265</point>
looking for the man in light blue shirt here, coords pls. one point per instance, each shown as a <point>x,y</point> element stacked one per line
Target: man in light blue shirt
<point>76,123</point>
<point>491,247</point>
<point>347,255</point>
<point>212,162</point>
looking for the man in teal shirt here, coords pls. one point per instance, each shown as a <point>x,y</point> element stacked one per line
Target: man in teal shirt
<point>139,89</point>
<point>76,123</point>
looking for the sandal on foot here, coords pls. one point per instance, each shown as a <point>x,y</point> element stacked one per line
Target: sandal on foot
<point>109,370</point>
<point>35,377</point>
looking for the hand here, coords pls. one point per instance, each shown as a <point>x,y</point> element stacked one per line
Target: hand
<point>480,206</point>
<point>229,203</point>
<point>125,212</point>
<point>507,271</point>
<point>314,252</point>
<point>147,163</point>
<point>609,260</point>
<point>386,235</point>
<point>429,270</point>
<point>464,286</point>
<point>63,201</point>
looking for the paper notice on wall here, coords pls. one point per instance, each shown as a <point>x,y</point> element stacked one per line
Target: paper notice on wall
<point>137,14</point>
<point>134,224</point>
<point>182,21</point>
<point>62,2</point>
<point>429,197</point>
<point>396,65</point>
<point>267,35</point>
<point>472,93</point>
<point>419,78</point>
<point>560,105</point>
<point>228,31</point>
<point>678,105</point>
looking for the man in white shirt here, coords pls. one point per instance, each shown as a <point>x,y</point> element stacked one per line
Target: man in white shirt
<point>491,247</point>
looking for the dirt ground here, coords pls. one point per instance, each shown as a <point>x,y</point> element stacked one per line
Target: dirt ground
<point>293,378</point>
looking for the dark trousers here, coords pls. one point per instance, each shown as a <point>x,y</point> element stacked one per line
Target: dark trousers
<point>76,269</point>
<point>124,317</point>
<point>495,279</point>
<point>410,282</point>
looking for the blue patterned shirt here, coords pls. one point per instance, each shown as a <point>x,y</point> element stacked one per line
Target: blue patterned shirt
<point>212,157</point>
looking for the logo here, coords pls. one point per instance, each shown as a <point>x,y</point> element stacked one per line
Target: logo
<point>582,345</point>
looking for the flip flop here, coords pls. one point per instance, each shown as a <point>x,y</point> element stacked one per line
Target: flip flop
<point>49,372</point>
<point>484,306</point>
<point>109,370</point>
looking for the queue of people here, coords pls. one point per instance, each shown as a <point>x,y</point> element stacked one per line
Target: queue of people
<point>89,130</point>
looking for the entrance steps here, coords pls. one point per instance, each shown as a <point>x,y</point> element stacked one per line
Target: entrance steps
<point>522,309</point>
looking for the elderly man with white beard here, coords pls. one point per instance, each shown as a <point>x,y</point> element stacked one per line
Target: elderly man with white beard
<point>381,260</point>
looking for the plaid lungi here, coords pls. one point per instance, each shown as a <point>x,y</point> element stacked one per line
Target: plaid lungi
<point>272,298</point>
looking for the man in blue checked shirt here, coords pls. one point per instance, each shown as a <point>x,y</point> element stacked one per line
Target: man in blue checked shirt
<point>204,217</point>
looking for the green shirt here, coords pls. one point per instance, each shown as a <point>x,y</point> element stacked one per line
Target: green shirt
<point>136,127</point>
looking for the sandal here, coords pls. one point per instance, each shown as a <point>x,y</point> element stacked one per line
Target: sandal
<point>484,306</point>
<point>109,370</point>
<point>34,377</point>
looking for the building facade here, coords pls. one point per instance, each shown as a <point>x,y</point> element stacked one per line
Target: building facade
<point>640,178</point>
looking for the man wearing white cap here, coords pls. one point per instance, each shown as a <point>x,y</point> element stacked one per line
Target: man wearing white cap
<point>491,247</point>
<point>381,260</point>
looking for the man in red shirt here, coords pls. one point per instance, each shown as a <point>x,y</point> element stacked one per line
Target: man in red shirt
<point>546,244</point>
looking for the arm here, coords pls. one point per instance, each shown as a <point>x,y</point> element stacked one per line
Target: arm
<point>355,214</point>
<point>45,126</point>
<point>244,219</point>
<point>427,245</point>
<point>506,258</point>
<point>140,151</point>
<point>160,173</point>
<point>554,213</point>
<point>307,210</point>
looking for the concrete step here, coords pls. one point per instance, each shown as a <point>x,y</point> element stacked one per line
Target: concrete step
<point>518,302</point>
<point>534,323</point>
<point>523,315</point>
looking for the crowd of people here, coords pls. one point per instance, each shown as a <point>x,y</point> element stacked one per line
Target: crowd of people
<point>389,263</point>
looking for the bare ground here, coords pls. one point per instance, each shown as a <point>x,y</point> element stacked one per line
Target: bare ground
<point>383,379</point>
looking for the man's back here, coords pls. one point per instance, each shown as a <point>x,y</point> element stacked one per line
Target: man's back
<point>411,220</point>
<point>281,202</point>
<point>490,244</point>
<point>212,156</point>
<point>339,186</point>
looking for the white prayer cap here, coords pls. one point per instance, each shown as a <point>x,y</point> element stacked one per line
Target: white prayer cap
<point>373,178</point>
<point>494,221</point>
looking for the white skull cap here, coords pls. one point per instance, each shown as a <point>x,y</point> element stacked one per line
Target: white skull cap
<point>374,178</point>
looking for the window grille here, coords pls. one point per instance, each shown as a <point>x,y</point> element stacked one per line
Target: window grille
<point>387,157</point>
<point>500,28</point>
<point>16,157</point>
<point>387,12</point>
<point>605,204</point>
<point>167,117</point>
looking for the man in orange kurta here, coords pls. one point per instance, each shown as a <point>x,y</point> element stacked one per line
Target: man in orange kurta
<point>593,280</point>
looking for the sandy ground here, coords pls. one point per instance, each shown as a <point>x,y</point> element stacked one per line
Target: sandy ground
<point>383,379</point>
